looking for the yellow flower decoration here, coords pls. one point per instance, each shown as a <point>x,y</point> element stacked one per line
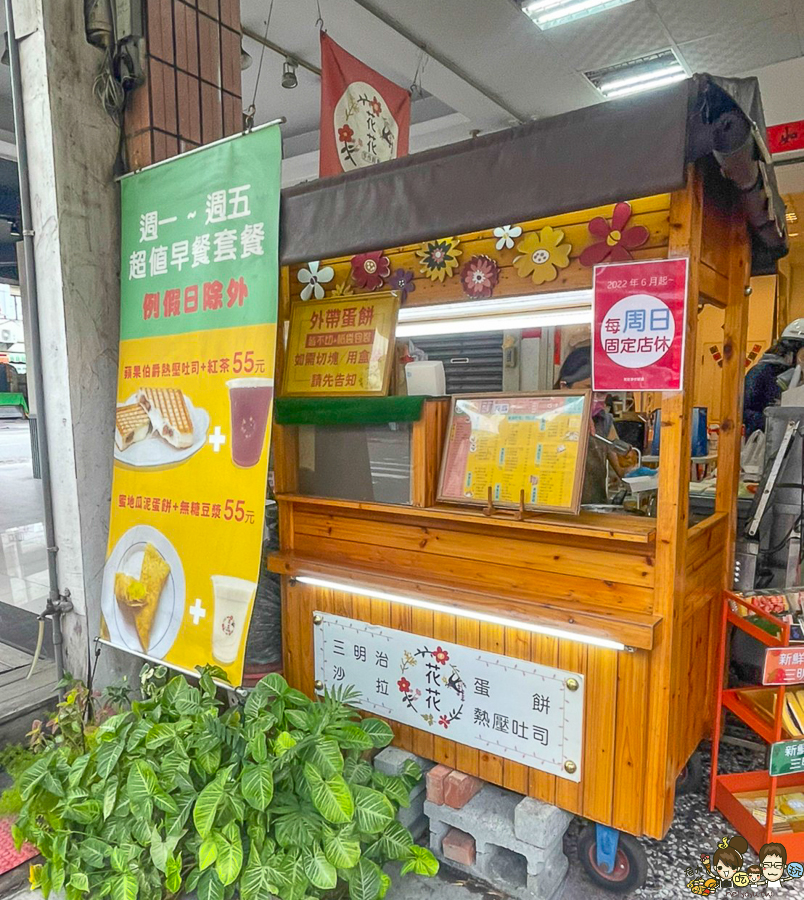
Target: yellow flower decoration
<point>543,255</point>
<point>439,259</point>
<point>344,289</point>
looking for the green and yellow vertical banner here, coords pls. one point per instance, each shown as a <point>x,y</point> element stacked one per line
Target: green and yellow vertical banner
<point>194,399</point>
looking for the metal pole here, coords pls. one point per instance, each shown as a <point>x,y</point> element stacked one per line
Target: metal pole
<point>229,137</point>
<point>286,54</point>
<point>56,605</point>
<point>190,673</point>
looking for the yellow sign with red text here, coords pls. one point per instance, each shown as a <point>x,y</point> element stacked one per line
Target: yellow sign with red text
<point>341,347</point>
<point>202,496</point>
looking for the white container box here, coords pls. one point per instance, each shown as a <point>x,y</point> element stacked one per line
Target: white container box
<point>426,378</point>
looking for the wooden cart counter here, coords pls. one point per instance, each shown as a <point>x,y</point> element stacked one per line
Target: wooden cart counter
<point>609,526</point>
<point>584,567</point>
<point>591,576</point>
<point>647,591</point>
<point>631,630</point>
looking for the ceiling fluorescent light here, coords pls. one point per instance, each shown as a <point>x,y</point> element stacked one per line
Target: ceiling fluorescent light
<point>551,13</point>
<point>648,86</point>
<point>617,84</point>
<point>646,73</point>
<point>461,613</point>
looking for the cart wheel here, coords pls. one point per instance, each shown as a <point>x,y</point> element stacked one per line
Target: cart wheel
<point>691,777</point>
<point>630,864</point>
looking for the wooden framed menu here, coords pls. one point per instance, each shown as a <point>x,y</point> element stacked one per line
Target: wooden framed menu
<point>533,443</point>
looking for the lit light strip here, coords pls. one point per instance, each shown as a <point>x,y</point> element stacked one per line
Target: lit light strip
<point>649,86</point>
<point>527,304</point>
<point>562,12</point>
<point>541,5</point>
<point>550,13</point>
<point>462,613</point>
<point>495,323</point>
<point>673,69</point>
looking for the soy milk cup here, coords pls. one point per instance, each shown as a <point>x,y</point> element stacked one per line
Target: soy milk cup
<point>233,598</point>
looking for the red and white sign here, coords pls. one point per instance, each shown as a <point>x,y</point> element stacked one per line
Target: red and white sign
<point>784,665</point>
<point>786,137</point>
<point>365,118</point>
<point>639,322</point>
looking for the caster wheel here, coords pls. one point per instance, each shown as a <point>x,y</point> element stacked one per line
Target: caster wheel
<point>691,776</point>
<point>630,865</point>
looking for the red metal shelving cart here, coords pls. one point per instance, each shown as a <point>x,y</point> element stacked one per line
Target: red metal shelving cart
<point>726,789</point>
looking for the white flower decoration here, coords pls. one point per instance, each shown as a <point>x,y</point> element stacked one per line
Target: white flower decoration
<point>314,278</point>
<point>507,234</point>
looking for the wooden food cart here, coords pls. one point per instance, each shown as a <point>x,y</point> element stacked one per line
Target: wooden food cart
<point>635,600</point>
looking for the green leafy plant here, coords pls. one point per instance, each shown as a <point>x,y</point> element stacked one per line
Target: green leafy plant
<point>273,797</point>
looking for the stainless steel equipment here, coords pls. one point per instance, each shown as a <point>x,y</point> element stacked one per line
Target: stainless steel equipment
<point>778,508</point>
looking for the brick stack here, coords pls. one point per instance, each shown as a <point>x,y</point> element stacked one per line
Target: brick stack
<point>391,761</point>
<point>192,92</point>
<point>513,843</point>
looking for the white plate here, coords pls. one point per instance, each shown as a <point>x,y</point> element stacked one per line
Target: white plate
<point>127,557</point>
<point>154,451</point>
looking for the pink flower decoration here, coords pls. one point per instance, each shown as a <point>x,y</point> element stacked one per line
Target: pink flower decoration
<point>480,276</point>
<point>369,270</point>
<point>617,241</point>
<point>441,656</point>
<point>444,721</point>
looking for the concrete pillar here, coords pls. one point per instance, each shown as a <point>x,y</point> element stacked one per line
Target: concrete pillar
<point>72,147</point>
<point>191,57</point>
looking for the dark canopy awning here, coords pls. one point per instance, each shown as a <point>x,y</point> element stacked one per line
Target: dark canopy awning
<point>601,154</point>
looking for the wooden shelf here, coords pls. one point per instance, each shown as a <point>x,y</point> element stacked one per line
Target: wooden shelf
<point>633,629</point>
<point>600,526</point>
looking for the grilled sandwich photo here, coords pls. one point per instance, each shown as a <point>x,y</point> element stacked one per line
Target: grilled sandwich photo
<point>168,414</point>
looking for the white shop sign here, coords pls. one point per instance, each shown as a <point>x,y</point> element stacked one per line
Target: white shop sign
<point>513,708</point>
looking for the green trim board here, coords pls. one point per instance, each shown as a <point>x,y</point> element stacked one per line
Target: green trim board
<point>343,411</point>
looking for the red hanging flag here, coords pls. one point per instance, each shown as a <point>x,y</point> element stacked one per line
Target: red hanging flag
<point>365,118</point>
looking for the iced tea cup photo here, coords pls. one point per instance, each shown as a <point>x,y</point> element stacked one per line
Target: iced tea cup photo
<point>233,598</point>
<point>250,401</point>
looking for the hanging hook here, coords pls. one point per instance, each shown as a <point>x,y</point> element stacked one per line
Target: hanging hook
<point>319,22</point>
<point>248,118</point>
<point>416,86</point>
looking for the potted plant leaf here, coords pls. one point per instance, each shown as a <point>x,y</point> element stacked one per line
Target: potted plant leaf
<point>273,797</point>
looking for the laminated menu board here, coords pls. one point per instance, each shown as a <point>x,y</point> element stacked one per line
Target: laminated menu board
<point>521,446</point>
